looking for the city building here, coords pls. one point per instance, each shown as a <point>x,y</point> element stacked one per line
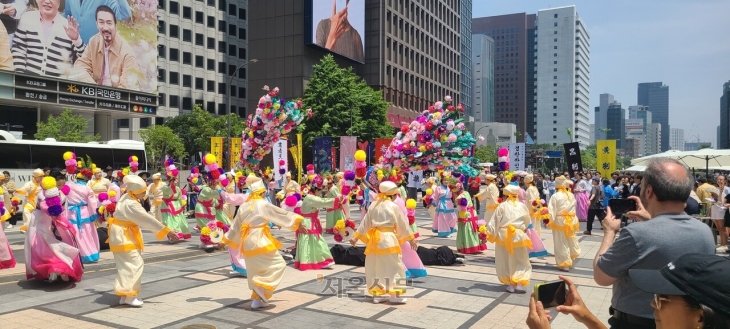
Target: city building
<point>483,77</point>
<point>411,50</point>
<point>592,134</point>
<point>200,45</point>
<point>467,80</point>
<point>563,50</point>
<point>723,135</point>
<point>514,86</point>
<point>676,139</point>
<point>600,115</point>
<point>718,133</point>
<point>654,139</point>
<point>655,95</point>
<point>496,134</point>
<point>636,132</point>
<point>632,148</point>
<point>643,113</point>
<point>616,129</point>
<point>694,146</point>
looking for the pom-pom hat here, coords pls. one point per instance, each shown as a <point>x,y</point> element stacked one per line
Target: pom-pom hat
<point>561,181</point>
<point>490,177</point>
<point>135,184</point>
<point>511,189</point>
<point>529,178</point>
<point>38,173</point>
<point>388,187</point>
<point>255,184</point>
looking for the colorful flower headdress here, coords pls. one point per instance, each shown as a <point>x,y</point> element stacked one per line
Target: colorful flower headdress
<point>275,117</point>
<point>85,168</point>
<point>133,164</point>
<point>52,196</point>
<point>70,161</point>
<point>211,167</point>
<point>171,169</point>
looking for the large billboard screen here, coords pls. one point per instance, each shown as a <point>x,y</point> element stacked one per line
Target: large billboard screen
<point>339,26</point>
<point>105,43</point>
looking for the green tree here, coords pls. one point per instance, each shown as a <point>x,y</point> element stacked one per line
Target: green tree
<point>159,142</point>
<point>66,127</point>
<point>569,132</point>
<point>343,105</point>
<point>486,153</point>
<point>196,128</point>
<point>588,157</point>
<point>704,146</point>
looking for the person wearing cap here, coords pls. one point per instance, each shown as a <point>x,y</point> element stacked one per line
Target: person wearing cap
<point>29,191</point>
<point>383,230</point>
<point>7,260</point>
<point>335,213</point>
<point>50,250</point>
<point>125,239</point>
<point>81,210</point>
<point>506,230</point>
<point>98,183</point>
<point>665,234</point>
<point>564,224</point>
<point>491,194</point>
<point>312,251</point>
<point>154,195</point>
<point>250,234</point>
<point>171,206</point>
<point>228,209</point>
<point>109,171</point>
<point>595,205</point>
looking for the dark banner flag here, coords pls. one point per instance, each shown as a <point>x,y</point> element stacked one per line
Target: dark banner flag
<point>322,156</point>
<point>572,158</point>
<point>371,154</point>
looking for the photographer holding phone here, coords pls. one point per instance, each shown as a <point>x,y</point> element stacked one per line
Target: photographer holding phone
<point>649,244</point>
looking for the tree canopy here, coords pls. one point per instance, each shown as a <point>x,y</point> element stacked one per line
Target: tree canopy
<point>343,105</point>
<point>66,127</point>
<point>196,128</point>
<point>161,142</point>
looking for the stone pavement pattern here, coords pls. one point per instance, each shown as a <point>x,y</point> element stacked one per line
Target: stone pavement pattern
<point>183,285</point>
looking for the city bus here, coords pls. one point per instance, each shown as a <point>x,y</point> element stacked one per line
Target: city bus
<point>21,156</point>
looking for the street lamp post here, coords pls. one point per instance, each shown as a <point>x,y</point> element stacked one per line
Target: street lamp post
<point>228,116</point>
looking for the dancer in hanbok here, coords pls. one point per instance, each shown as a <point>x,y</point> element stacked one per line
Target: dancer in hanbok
<point>7,260</point>
<point>383,230</point>
<point>238,264</point>
<point>154,195</point>
<point>250,234</point>
<point>444,222</point>
<point>581,192</point>
<point>467,235</point>
<point>507,231</point>
<point>228,209</point>
<point>312,251</point>
<point>81,203</point>
<point>51,250</point>
<point>98,183</point>
<point>335,213</point>
<point>206,203</point>
<point>428,199</point>
<point>564,224</point>
<point>491,194</point>
<point>534,203</point>
<point>171,208</point>
<point>29,191</point>
<point>414,265</point>
<point>125,239</point>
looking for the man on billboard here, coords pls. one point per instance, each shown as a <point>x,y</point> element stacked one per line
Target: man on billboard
<point>45,42</point>
<point>6,59</point>
<point>85,13</point>
<point>10,12</point>
<point>108,60</point>
<point>337,35</point>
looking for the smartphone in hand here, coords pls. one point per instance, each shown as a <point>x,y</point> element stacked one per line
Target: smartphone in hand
<point>551,294</point>
<point>619,207</point>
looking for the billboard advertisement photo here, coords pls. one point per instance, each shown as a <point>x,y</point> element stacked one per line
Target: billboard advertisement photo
<point>104,43</point>
<point>339,26</point>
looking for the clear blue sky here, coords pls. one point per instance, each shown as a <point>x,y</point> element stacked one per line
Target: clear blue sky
<point>683,43</point>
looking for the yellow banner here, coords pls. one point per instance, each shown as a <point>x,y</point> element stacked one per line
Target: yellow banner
<point>299,158</point>
<point>295,155</point>
<point>216,148</point>
<point>606,157</point>
<point>235,152</point>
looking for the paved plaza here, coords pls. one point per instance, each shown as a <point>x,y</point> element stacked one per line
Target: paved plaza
<point>183,285</point>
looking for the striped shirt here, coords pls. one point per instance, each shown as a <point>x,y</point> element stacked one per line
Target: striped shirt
<point>35,53</point>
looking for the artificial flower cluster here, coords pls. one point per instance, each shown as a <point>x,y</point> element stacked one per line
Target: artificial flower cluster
<point>463,211</point>
<point>340,229</point>
<point>503,159</point>
<point>541,211</point>
<point>483,233</point>
<point>133,163</point>
<point>361,167</point>
<point>274,117</point>
<point>171,169</point>
<point>108,205</point>
<point>70,161</point>
<point>52,196</point>
<point>212,230</point>
<point>436,139</point>
<point>411,212</point>
<point>211,166</point>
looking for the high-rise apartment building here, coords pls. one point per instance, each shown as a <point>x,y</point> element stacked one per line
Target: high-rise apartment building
<point>483,77</point>
<point>563,55</point>
<point>723,136</point>
<point>655,95</point>
<point>411,51</point>
<point>643,113</point>
<point>200,45</point>
<point>514,88</point>
<point>467,80</point>
<point>635,132</point>
<point>654,139</point>
<point>600,115</point>
<point>676,139</point>
<point>616,128</point>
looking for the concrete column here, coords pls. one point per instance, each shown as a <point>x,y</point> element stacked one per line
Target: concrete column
<point>103,126</point>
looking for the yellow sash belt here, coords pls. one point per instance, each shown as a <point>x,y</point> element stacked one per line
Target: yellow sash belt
<point>131,230</point>
<point>374,238</point>
<point>569,227</point>
<point>246,230</point>
<point>492,206</point>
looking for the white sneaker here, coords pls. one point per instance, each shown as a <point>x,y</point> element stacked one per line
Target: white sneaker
<point>378,300</point>
<point>53,277</point>
<point>721,249</point>
<point>460,260</point>
<point>564,269</point>
<point>520,288</point>
<point>329,265</point>
<point>9,226</point>
<point>260,292</point>
<point>258,304</point>
<point>64,278</point>
<point>133,301</point>
<point>122,300</point>
<point>397,300</point>
<point>511,289</point>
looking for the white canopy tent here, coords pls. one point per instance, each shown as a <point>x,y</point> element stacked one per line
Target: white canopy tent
<point>704,158</point>
<point>636,168</point>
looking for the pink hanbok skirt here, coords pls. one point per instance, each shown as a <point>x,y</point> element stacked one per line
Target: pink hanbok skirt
<point>538,248</point>
<point>413,264</point>
<point>581,206</point>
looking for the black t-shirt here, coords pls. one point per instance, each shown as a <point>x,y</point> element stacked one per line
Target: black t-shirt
<point>692,207</point>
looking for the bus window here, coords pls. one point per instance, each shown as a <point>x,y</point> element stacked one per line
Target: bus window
<point>121,158</point>
<point>102,157</point>
<point>15,156</point>
<point>48,156</point>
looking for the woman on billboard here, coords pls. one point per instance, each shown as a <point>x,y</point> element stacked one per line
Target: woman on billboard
<point>337,35</point>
